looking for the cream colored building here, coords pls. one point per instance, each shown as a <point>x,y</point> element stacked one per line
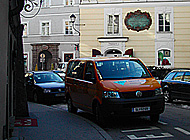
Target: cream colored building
<point>165,43</point>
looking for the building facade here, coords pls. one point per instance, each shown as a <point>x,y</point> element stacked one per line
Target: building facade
<point>12,93</point>
<point>49,36</point>
<point>156,31</point>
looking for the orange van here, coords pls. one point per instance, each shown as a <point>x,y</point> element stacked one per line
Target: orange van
<point>113,86</point>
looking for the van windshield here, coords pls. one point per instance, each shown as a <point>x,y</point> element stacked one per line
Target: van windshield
<point>121,69</point>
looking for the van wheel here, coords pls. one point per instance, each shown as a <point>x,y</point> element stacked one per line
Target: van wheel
<point>70,106</point>
<point>167,96</point>
<point>154,118</point>
<point>98,114</point>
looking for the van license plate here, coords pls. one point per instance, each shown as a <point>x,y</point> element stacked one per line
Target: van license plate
<point>141,109</point>
<point>59,94</point>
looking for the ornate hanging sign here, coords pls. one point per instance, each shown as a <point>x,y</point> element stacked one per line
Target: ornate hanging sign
<point>138,21</point>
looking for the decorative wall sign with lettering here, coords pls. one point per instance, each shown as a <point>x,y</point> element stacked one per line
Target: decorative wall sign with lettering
<point>138,21</point>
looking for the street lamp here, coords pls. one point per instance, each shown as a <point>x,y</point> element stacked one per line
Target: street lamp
<point>73,18</point>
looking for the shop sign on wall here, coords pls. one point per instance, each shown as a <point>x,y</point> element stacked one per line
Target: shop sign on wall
<point>138,21</point>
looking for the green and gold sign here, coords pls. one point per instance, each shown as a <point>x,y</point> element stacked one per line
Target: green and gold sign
<point>138,21</point>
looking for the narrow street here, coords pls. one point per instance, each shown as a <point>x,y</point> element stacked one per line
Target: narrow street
<point>174,124</point>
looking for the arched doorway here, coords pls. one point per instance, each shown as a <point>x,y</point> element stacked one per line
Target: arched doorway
<point>44,60</point>
<point>113,53</point>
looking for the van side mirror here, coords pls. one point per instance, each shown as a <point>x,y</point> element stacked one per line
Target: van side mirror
<point>30,82</point>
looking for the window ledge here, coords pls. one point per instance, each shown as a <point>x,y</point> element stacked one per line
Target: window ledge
<point>113,39</point>
<point>164,32</point>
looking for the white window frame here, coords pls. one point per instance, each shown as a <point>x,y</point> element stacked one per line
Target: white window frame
<point>42,26</point>
<point>69,2</point>
<point>171,57</point>
<point>64,26</point>
<point>27,29</point>
<point>63,55</point>
<point>46,4</point>
<point>112,11</point>
<point>164,11</point>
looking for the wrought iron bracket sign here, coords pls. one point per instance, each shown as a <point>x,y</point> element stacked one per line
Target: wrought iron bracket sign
<point>29,6</point>
<point>138,21</point>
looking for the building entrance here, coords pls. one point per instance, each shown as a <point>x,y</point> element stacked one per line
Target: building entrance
<point>44,60</point>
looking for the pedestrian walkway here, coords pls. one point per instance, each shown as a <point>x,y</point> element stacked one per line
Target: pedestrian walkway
<point>56,124</point>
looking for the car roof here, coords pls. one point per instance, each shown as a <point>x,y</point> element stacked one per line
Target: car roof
<point>181,70</point>
<point>104,58</point>
<point>40,72</point>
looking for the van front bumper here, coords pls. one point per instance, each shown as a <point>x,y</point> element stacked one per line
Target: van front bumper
<point>133,107</point>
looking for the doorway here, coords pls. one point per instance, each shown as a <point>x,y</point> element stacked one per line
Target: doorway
<point>44,60</point>
<point>113,53</point>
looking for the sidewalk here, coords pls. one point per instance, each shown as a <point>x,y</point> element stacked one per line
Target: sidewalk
<point>56,124</point>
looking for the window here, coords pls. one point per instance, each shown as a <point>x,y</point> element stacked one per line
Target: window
<point>68,28</point>
<point>170,76</point>
<point>187,77</point>
<point>89,73</point>
<point>25,30</point>
<point>45,3</point>
<point>178,76</point>
<point>113,24</point>
<point>164,57</point>
<point>75,69</point>
<point>164,22</point>
<point>67,57</point>
<point>45,28</point>
<point>69,2</point>
<point>121,69</point>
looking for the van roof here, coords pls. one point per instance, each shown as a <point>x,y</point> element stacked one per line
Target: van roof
<point>105,58</point>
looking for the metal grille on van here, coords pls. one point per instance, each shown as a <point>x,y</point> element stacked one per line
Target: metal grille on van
<point>130,95</point>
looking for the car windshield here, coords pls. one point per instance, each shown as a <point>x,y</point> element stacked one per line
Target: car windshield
<point>121,69</point>
<point>47,77</point>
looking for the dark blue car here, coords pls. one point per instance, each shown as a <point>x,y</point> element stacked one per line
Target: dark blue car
<point>44,86</point>
<point>176,85</point>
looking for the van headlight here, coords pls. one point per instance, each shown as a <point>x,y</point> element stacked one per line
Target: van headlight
<point>110,94</point>
<point>47,90</point>
<point>158,91</point>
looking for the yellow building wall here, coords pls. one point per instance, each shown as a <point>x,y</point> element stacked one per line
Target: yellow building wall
<point>182,37</point>
<point>94,27</point>
<point>142,42</point>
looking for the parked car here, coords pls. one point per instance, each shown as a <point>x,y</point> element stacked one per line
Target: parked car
<point>119,86</point>
<point>60,73</point>
<point>176,85</point>
<point>62,66</point>
<point>44,86</point>
<point>159,72</point>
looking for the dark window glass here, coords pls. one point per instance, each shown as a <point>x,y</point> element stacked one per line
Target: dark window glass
<point>89,71</point>
<point>170,76</point>
<point>187,77</point>
<point>178,76</point>
<point>67,57</point>
<point>167,28</point>
<point>76,69</point>
<point>161,28</point>
<point>70,67</point>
